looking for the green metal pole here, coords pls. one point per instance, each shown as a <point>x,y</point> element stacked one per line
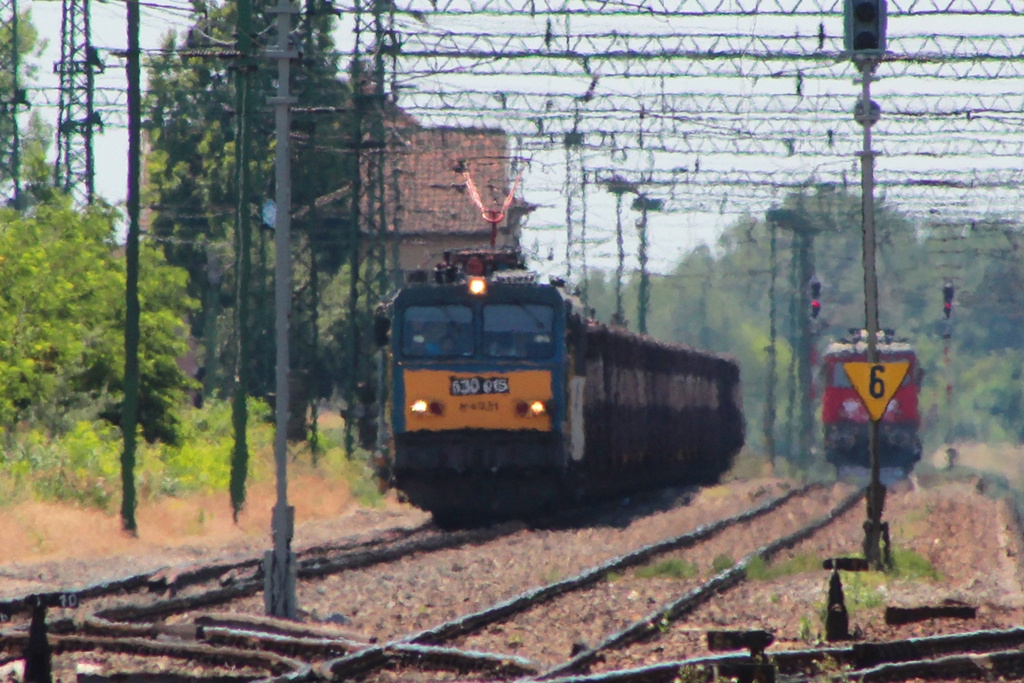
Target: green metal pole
<point>17,99</point>
<point>243,240</point>
<point>769,411</point>
<point>132,313</point>
<point>645,277</point>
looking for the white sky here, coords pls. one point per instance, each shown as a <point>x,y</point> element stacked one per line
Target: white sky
<point>671,234</point>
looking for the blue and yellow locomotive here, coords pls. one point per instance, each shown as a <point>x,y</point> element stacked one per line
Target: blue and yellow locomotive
<point>506,400</point>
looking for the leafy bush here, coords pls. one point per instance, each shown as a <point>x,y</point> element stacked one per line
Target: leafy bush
<point>63,316</point>
<point>83,466</point>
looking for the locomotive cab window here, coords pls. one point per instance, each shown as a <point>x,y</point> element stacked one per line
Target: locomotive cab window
<point>518,331</point>
<point>437,331</point>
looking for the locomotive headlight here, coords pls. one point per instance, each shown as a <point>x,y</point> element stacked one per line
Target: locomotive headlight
<point>531,409</point>
<point>422,407</point>
<point>477,286</point>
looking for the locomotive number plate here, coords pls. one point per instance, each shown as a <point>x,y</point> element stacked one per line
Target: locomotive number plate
<point>472,386</point>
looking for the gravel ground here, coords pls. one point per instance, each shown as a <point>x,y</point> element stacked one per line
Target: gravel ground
<point>548,633</point>
<point>19,578</point>
<point>393,600</point>
<point>972,542</point>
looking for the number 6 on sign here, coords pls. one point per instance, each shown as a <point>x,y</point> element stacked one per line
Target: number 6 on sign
<point>876,383</point>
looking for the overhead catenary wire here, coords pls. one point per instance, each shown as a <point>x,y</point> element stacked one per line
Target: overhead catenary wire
<point>756,79</point>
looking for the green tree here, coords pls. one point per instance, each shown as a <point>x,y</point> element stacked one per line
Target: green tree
<point>194,182</point>
<point>62,307</point>
<point>190,113</point>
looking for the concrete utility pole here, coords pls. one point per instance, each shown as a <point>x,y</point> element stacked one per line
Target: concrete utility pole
<point>279,564</point>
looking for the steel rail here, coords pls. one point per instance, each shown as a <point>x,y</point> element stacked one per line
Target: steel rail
<point>651,625</point>
<point>378,656</point>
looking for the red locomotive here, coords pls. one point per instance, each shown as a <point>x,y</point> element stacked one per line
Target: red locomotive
<point>845,419</point>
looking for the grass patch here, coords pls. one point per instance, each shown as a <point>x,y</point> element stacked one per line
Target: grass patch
<point>862,590</point>
<point>722,562</point>
<point>674,568</point>
<point>804,563</point>
<point>551,575</point>
<point>912,566</point>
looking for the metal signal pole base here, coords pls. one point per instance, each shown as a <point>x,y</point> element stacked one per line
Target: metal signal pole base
<point>279,568</point>
<point>877,549</point>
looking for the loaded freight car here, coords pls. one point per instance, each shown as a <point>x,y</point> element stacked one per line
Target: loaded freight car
<point>507,401</point>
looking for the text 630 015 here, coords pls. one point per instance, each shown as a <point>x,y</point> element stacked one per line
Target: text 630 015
<point>471,386</point>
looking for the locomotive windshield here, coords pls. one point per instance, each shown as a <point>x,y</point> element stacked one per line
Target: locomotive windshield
<point>518,331</point>
<point>437,331</point>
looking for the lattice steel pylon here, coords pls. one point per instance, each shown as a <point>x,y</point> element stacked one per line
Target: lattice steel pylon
<point>372,272</point>
<point>377,267</point>
<point>12,97</point>
<point>74,169</point>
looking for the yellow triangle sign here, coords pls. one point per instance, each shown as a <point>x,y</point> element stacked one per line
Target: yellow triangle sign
<point>876,383</point>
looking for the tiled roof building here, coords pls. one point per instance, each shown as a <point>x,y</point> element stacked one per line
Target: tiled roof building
<point>428,204</point>
<point>428,208</point>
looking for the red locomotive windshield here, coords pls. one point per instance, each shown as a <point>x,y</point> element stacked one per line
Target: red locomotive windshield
<point>840,402</point>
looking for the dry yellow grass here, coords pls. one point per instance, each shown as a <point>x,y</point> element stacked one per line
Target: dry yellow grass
<point>1004,459</point>
<point>34,531</point>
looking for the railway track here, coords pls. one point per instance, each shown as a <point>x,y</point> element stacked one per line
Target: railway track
<point>186,589</point>
<point>172,580</point>
<point>175,590</point>
<point>483,643</point>
<point>590,587</point>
